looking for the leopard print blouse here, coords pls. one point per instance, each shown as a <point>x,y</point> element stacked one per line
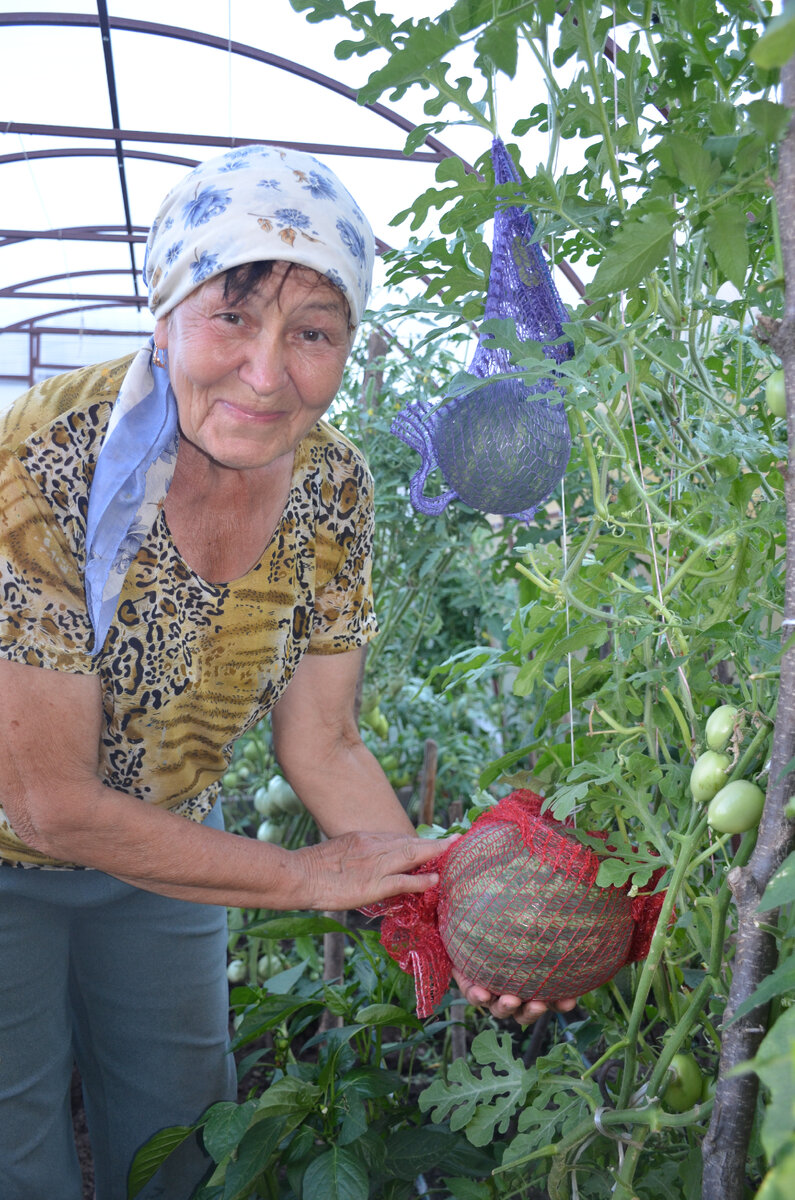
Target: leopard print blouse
<point>187,666</point>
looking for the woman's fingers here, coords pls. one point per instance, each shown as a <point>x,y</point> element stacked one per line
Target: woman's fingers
<point>357,869</point>
<point>503,1007</point>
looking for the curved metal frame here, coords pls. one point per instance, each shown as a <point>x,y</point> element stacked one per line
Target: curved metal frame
<point>117,136</point>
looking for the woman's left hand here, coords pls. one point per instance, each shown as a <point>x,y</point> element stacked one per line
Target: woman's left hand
<point>503,1007</point>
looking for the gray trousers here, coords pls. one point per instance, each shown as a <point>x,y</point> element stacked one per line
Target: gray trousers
<point>130,985</point>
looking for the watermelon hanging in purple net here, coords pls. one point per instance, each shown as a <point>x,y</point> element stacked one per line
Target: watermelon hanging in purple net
<point>504,446</point>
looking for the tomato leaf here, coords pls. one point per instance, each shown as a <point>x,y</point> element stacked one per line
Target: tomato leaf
<point>780,983</point>
<point>726,238</point>
<point>775,1065</point>
<point>777,44</point>
<point>781,888</point>
<point>638,247</point>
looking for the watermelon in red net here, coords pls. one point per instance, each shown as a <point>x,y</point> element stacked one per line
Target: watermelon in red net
<point>518,911</point>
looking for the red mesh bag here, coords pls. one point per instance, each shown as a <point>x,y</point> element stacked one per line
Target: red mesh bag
<point>517,910</point>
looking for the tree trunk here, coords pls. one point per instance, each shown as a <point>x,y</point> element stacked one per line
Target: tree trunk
<point>726,1145</point>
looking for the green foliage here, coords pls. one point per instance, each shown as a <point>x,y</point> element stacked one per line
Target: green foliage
<point>482,1104</point>
<point>330,1117</point>
<point>583,655</point>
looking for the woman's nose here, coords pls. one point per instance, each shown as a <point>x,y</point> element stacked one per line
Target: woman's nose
<point>263,367</point>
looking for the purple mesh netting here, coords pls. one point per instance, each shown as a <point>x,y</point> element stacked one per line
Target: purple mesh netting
<point>502,447</point>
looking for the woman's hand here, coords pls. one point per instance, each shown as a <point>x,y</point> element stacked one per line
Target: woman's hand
<point>524,1012</point>
<point>356,869</point>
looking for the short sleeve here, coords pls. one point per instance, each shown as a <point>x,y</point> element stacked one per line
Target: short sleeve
<point>344,612</point>
<point>43,616</point>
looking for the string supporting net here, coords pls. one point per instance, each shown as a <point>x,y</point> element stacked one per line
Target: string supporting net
<point>503,445</point>
<point>517,910</point>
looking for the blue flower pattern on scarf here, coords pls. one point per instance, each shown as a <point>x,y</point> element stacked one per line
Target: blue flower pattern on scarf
<point>173,253</point>
<point>292,218</point>
<point>208,203</point>
<point>351,238</point>
<point>205,266</point>
<point>319,187</point>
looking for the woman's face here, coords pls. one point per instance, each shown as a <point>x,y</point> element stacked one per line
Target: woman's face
<point>251,377</point>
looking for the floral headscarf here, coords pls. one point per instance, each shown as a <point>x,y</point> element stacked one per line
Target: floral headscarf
<point>251,204</point>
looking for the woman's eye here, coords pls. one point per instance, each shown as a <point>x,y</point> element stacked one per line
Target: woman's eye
<point>312,335</point>
<point>230,318</point>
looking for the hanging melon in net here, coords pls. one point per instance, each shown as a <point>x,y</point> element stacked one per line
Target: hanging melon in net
<point>501,445</point>
<point>517,910</point>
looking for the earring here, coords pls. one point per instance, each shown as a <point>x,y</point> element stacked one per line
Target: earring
<point>158,358</point>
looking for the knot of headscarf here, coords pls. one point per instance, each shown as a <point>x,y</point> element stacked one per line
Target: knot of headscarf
<point>252,204</point>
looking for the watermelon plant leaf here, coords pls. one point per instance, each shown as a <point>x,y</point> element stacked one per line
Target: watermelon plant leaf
<point>480,1104</point>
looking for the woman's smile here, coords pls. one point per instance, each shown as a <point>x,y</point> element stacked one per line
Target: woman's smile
<point>252,377</point>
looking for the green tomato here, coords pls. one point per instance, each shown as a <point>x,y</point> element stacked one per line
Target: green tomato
<point>282,796</point>
<point>683,1089</point>
<point>381,727</point>
<point>720,726</point>
<point>775,394</point>
<point>267,965</point>
<point>263,803</point>
<point>237,971</point>
<point>737,807</point>
<point>269,831</point>
<point>708,775</point>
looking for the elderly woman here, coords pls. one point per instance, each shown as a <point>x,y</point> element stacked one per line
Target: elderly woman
<point>184,547</point>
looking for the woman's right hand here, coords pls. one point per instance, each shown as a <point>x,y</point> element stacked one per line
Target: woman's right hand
<point>357,869</point>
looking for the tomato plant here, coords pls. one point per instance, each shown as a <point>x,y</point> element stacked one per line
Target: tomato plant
<point>601,653</point>
<point>775,393</point>
<point>720,726</point>
<point>709,774</point>
<point>737,807</point>
<point>649,590</point>
<point>685,1084</point>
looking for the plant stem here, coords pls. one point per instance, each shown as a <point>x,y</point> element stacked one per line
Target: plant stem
<point>656,949</point>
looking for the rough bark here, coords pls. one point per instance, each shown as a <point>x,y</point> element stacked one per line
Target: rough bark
<point>726,1145</point>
